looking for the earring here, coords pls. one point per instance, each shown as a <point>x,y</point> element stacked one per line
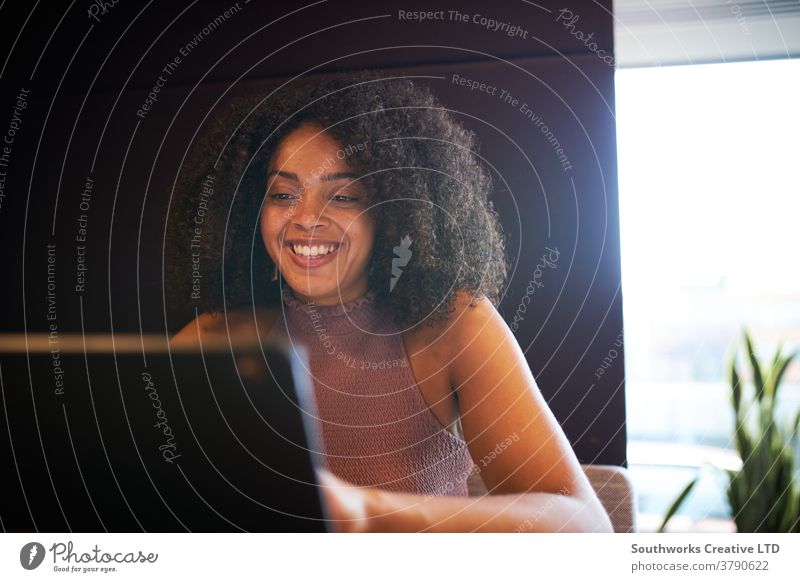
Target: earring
<point>274,273</point>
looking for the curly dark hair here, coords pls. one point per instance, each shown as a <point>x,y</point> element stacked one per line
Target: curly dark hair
<point>418,165</point>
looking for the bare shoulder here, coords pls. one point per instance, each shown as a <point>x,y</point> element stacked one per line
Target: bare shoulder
<point>473,319</point>
<point>474,314</point>
<point>243,324</point>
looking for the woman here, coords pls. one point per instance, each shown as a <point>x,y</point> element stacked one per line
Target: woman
<point>375,246</point>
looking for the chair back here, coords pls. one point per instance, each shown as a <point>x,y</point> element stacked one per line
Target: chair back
<point>612,486</point>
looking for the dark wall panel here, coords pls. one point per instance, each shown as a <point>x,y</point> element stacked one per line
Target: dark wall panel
<point>545,121</point>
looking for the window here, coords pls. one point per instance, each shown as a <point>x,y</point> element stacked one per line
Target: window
<point>710,205</point>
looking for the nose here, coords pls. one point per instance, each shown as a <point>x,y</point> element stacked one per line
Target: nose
<point>310,212</point>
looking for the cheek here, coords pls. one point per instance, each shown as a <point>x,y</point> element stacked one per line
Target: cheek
<point>263,222</point>
<point>270,230</point>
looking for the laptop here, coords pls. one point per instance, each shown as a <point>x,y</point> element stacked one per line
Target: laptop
<point>126,433</point>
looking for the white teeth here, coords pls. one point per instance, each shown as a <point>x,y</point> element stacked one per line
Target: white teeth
<point>313,251</point>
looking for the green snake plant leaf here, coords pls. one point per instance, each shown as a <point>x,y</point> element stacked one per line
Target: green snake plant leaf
<point>770,381</point>
<point>790,521</point>
<point>779,369</point>
<point>758,379</point>
<point>676,505</point>
<point>736,387</point>
<point>743,443</point>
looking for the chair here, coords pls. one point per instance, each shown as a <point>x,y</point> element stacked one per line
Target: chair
<point>612,486</point>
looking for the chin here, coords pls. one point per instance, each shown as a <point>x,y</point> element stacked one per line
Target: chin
<point>312,288</point>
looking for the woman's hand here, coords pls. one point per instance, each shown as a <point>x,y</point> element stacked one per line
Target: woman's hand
<point>348,506</point>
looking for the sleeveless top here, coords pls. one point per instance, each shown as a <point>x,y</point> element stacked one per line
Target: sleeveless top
<point>376,429</point>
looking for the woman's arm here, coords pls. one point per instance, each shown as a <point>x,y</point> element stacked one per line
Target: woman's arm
<point>205,324</point>
<point>535,481</point>
<point>360,509</point>
<point>239,325</point>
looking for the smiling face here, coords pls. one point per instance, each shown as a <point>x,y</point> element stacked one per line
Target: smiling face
<point>314,220</point>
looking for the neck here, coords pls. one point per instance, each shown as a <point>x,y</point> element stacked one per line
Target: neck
<point>336,299</point>
<point>343,317</point>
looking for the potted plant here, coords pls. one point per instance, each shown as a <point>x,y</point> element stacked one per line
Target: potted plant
<point>764,494</point>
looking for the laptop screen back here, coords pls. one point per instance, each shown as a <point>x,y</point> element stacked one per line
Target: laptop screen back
<point>127,434</point>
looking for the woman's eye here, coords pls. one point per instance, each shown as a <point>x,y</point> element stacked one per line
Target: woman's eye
<point>343,198</point>
<point>280,196</point>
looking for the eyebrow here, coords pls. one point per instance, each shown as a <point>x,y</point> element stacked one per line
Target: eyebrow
<point>325,177</point>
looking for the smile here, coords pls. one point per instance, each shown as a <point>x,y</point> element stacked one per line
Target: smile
<point>312,251</point>
<point>310,254</point>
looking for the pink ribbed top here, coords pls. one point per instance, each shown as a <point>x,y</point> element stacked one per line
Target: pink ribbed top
<point>376,428</point>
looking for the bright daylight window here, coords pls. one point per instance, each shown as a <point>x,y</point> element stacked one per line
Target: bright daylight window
<point>710,204</point>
